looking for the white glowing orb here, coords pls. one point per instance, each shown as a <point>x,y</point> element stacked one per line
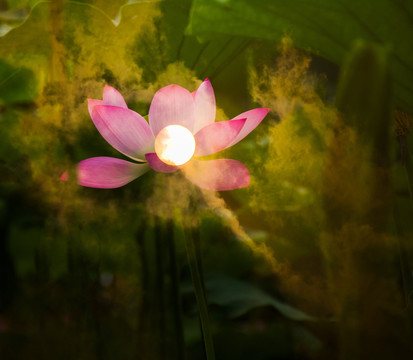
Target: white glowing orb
<point>175,145</point>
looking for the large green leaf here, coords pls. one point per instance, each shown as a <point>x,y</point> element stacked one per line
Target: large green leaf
<point>11,18</point>
<point>327,28</point>
<point>208,58</point>
<point>17,85</point>
<point>239,297</point>
<point>88,38</point>
<point>14,12</point>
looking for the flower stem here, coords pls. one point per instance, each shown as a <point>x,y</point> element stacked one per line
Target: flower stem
<point>200,295</point>
<point>160,286</point>
<point>175,293</point>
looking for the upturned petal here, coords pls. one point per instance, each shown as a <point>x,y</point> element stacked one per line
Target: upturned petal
<point>254,117</point>
<point>124,129</point>
<point>158,165</point>
<point>217,136</point>
<point>205,107</point>
<point>111,96</point>
<point>91,103</point>
<point>217,175</point>
<point>108,173</point>
<point>171,105</point>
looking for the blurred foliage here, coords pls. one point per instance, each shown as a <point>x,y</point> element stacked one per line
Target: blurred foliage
<point>240,297</point>
<point>327,29</point>
<point>312,261</point>
<point>18,85</point>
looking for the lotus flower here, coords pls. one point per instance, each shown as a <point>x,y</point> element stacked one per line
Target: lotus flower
<point>181,129</point>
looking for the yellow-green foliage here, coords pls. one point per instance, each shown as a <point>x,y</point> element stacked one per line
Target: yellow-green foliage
<point>289,176</point>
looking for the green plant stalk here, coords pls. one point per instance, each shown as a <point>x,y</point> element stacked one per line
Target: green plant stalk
<point>160,286</point>
<point>407,280</point>
<point>175,292</point>
<point>409,175</point>
<point>401,236</point>
<point>194,266</point>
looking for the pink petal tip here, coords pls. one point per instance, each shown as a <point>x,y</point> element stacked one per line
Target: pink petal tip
<point>108,173</point>
<point>254,118</point>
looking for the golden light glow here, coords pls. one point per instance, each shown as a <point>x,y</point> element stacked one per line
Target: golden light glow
<point>175,145</point>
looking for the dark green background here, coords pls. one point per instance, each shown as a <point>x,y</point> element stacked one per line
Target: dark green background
<point>312,261</point>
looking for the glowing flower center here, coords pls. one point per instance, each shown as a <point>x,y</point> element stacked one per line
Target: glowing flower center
<point>175,145</point>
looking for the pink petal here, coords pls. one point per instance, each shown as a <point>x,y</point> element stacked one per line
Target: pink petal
<point>158,165</point>
<point>124,129</point>
<point>108,173</point>
<point>217,136</point>
<point>204,106</point>
<point>91,103</point>
<point>217,175</point>
<point>111,96</point>
<point>254,117</point>
<point>171,105</point>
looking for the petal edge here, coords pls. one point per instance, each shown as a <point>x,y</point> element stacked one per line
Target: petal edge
<point>205,107</point>
<point>127,131</point>
<point>111,96</point>
<point>254,118</point>
<point>108,173</point>
<point>217,136</point>
<point>218,175</point>
<point>171,105</point>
